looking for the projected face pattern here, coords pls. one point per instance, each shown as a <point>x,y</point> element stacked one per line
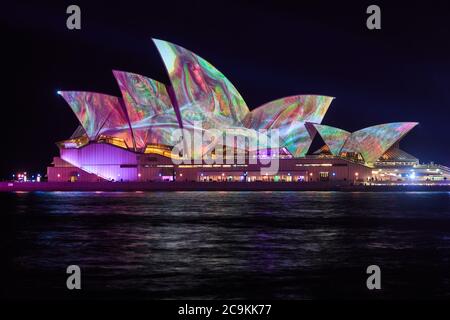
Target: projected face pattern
<point>333,137</point>
<point>289,115</point>
<point>99,114</point>
<point>202,92</point>
<point>144,97</point>
<point>148,104</point>
<point>373,142</point>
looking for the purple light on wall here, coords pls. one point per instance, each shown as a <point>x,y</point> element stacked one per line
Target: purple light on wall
<point>105,160</point>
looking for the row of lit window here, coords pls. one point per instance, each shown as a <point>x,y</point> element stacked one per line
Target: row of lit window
<point>314,165</point>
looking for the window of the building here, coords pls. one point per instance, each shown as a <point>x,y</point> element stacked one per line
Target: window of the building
<point>324,176</point>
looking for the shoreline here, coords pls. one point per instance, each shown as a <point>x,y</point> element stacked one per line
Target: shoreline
<point>212,186</point>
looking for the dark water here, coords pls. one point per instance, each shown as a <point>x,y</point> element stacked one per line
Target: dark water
<point>275,245</point>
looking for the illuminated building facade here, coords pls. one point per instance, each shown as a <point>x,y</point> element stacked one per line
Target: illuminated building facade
<point>131,138</point>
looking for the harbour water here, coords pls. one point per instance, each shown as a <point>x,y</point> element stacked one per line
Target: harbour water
<point>225,245</point>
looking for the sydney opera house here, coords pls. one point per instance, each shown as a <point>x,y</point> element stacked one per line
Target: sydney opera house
<point>131,138</point>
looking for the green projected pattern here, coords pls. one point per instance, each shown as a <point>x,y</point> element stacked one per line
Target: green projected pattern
<point>373,141</point>
<point>289,116</point>
<point>202,92</point>
<point>333,137</point>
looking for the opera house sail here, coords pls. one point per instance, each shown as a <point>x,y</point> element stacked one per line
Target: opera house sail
<point>134,137</point>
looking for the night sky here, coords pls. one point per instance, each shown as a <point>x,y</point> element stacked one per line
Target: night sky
<point>268,50</point>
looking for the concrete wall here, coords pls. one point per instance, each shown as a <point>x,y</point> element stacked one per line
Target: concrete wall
<point>310,169</point>
<point>62,171</point>
<point>104,161</point>
<point>107,161</point>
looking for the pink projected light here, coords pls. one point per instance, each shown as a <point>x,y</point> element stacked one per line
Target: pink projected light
<point>200,98</point>
<point>289,116</point>
<point>373,141</point>
<point>99,114</point>
<point>202,92</point>
<point>149,108</point>
<point>333,137</point>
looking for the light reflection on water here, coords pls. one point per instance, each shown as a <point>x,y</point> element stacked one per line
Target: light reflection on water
<point>227,244</point>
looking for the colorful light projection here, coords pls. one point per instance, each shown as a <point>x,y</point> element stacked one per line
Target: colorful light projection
<point>289,116</point>
<point>99,114</point>
<point>157,129</point>
<point>333,137</point>
<point>103,160</point>
<point>373,142</point>
<point>147,116</point>
<point>202,92</point>
<point>149,108</point>
<point>143,97</point>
